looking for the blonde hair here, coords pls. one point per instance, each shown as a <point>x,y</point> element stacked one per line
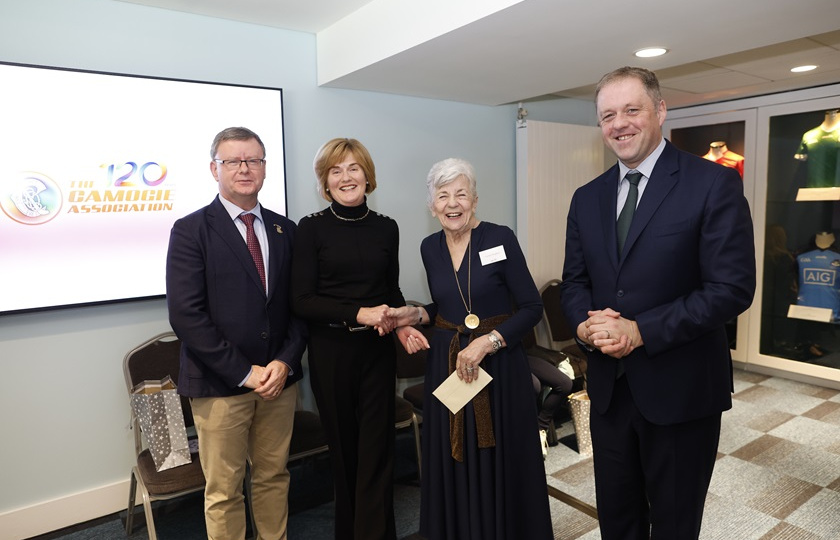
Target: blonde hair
<point>334,152</point>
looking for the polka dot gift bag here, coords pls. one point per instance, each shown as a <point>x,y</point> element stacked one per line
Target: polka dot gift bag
<point>157,405</point>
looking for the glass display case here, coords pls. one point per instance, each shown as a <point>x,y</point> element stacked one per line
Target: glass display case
<point>790,145</point>
<point>728,139</point>
<point>800,263</point>
<point>722,143</point>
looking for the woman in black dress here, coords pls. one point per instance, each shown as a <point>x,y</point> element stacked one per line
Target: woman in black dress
<point>483,474</point>
<point>345,274</point>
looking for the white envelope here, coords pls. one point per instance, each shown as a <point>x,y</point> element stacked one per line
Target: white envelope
<point>455,393</point>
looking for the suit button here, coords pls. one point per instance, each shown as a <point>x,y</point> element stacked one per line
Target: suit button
<point>620,293</point>
<point>264,335</point>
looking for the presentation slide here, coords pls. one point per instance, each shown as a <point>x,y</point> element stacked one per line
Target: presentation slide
<point>97,167</point>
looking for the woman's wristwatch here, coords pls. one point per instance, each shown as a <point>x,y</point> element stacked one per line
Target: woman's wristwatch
<point>495,342</point>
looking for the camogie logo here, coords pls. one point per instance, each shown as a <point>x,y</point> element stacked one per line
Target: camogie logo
<point>31,199</point>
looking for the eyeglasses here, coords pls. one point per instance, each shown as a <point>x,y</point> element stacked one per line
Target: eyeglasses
<point>234,164</point>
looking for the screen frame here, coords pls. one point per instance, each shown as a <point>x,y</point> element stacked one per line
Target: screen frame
<point>271,151</point>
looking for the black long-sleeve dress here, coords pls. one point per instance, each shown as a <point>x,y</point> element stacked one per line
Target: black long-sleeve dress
<point>339,266</point>
<point>499,492</point>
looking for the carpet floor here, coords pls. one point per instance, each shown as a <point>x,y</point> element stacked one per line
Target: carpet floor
<point>777,475</point>
<point>777,478</point>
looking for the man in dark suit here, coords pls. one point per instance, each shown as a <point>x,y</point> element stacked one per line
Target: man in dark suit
<point>650,310</point>
<point>227,288</point>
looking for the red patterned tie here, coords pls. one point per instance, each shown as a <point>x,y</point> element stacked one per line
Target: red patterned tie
<point>253,244</point>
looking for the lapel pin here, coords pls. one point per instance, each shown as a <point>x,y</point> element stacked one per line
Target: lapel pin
<point>279,228</point>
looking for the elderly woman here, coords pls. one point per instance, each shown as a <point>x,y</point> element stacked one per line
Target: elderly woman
<point>483,474</point>
<point>345,274</point>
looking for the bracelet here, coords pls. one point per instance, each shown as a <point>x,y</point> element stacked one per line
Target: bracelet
<point>419,315</point>
<point>495,342</point>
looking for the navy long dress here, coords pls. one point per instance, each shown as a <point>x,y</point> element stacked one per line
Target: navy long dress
<point>500,492</point>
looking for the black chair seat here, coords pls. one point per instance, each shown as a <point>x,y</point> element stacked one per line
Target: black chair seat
<point>414,395</point>
<point>181,478</point>
<point>403,411</point>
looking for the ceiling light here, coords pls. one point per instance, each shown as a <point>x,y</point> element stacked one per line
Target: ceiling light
<point>802,69</point>
<point>650,52</point>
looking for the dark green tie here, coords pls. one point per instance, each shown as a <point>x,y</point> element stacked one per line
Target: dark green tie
<point>622,226</point>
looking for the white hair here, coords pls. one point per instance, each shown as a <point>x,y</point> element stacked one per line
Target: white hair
<point>447,171</point>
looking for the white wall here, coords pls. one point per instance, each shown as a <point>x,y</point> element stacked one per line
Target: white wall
<point>63,408</point>
<point>553,160</point>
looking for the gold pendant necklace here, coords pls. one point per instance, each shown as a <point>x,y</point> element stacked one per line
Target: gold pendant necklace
<point>470,321</point>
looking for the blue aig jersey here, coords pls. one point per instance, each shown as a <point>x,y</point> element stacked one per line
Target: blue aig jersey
<point>819,280</point>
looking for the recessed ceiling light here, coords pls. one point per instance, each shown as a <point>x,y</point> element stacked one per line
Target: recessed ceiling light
<point>802,69</point>
<point>650,52</point>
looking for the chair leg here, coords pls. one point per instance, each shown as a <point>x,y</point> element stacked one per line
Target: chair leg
<point>132,490</point>
<point>416,426</point>
<point>552,433</point>
<point>150,518</point>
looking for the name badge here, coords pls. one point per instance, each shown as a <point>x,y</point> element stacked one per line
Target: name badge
<point>489,256</point>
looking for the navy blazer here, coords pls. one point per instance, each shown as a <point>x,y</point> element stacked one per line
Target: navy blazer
<point>218,307</point>
<point>687,268</point>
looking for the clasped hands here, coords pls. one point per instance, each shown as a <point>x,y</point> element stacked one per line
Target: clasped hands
<point>268,381</point>
<point>610,333</point>
<point>384,319</point>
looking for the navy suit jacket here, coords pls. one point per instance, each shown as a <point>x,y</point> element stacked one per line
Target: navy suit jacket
<point>218,307</point>
<point>687,268</point>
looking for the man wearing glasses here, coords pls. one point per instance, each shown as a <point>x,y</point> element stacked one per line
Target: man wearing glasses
<point>227,289</point>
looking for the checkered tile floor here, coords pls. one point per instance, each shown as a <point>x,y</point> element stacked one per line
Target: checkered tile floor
<point>777,475</point>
